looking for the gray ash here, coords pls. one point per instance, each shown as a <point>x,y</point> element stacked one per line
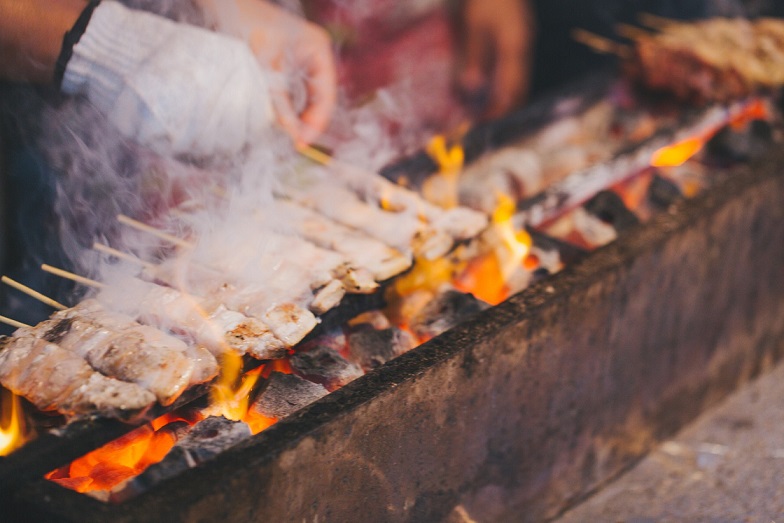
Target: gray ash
<point>284,394</point>
<point>447,310</point>
<point>372,348</point>
<point>321,363</point>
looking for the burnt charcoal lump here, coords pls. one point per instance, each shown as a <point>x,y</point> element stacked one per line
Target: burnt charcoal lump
<point>212,436</point>
<point>663,192</point>
<point>609,208</point>
<point>372,348</point>
<point>731,146</point>
<point>447,310</point>
<point>284,394</point>
<point>324,365</point>
<point>203,441</point>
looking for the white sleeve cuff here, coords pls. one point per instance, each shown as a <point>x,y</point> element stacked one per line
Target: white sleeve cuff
<point>116,42</point>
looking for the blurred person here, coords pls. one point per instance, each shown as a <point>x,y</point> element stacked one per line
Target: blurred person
<point>478,59</point>
<point>87,87</point>
<point>171,86</point>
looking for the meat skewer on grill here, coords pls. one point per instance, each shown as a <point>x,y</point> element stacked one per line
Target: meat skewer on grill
<point>715,60</point>
<point>117,346</point>
<point>329,274</point>
<point>213,326</point>
<point>458,223</point>
<point>208,323</point>
<point>404,231</point>
<point>361,250</point>
<point>53,378</point>
<point>288,321</point>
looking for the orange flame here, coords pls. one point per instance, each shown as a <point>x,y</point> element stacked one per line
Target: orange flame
<point>442,188</point>
<point>231,393</point>
<point>487,277</point>
<point>679,153</point>
<point>13,429</point>
<point>122,459</point>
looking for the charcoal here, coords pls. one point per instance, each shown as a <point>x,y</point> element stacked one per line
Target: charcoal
<point>447,310</point>
<point>663,192</point>
<point>731,146</point>
<point>324,365</point>
<point>212,436</point>
<point>284,394</point>
<point>372,348</point>
<point>609,208</point>
<point>199,444</point>
<point>568,252</point>
<point>540,274</point>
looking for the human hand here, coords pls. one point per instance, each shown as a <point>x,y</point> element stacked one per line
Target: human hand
<point>495,53</point>
<point>305,91</point>
<point>175,88</point>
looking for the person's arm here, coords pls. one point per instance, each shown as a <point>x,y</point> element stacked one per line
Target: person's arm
<point>496,48</point>
<point>31,37</point>
<point>299,51</point>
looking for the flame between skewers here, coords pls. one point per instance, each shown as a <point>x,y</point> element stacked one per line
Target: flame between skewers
<point>13,429</point>
<point>442,189</point>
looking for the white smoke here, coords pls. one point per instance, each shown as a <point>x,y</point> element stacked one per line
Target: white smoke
<point>214,207</point>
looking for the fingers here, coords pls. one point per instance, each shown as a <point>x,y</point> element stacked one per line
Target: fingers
<point>510,76</point>
<point>497,43</point>
<point>321,83</point>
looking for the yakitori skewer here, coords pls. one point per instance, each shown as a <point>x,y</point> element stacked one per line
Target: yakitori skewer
<point>211,325</point>
<point>601,44</point>
<point>105,249</point>
<point>13,323</point>
<point>631,32</point>
<point>32,293</point>
<point>73,277</point>
<point>143,227</point>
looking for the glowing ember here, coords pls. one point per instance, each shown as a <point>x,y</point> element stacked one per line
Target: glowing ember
<point>13,433</point>
<point>483,279</point>
<point>124,458</point>
<point>677,154</point>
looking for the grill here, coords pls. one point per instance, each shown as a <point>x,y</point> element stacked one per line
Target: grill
<point>513,415</point>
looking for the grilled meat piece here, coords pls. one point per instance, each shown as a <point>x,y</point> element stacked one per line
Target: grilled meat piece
<point>716,60</point>
<point>53,378</point>
<point>117,346</point>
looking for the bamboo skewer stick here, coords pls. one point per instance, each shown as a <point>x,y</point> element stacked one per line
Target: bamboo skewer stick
<point>13,323</point>
<point>121,255</point>
<point>656,22</point>
<point>311,153</point>
<point>73,277</point>
<point>143,227</point>
<point>631,32</point>
<point>601,44</point>
<point>32,293</point>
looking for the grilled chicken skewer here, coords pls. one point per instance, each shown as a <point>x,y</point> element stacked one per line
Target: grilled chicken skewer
<point>212,326</point>
<point>53,378</point>
<point>118,346</point>
<point>287,320</point>
<point>714,60</point>
<point>208,323</point>
<point>382,261</point>
<point>404,231</point>
<point>461,223</point>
